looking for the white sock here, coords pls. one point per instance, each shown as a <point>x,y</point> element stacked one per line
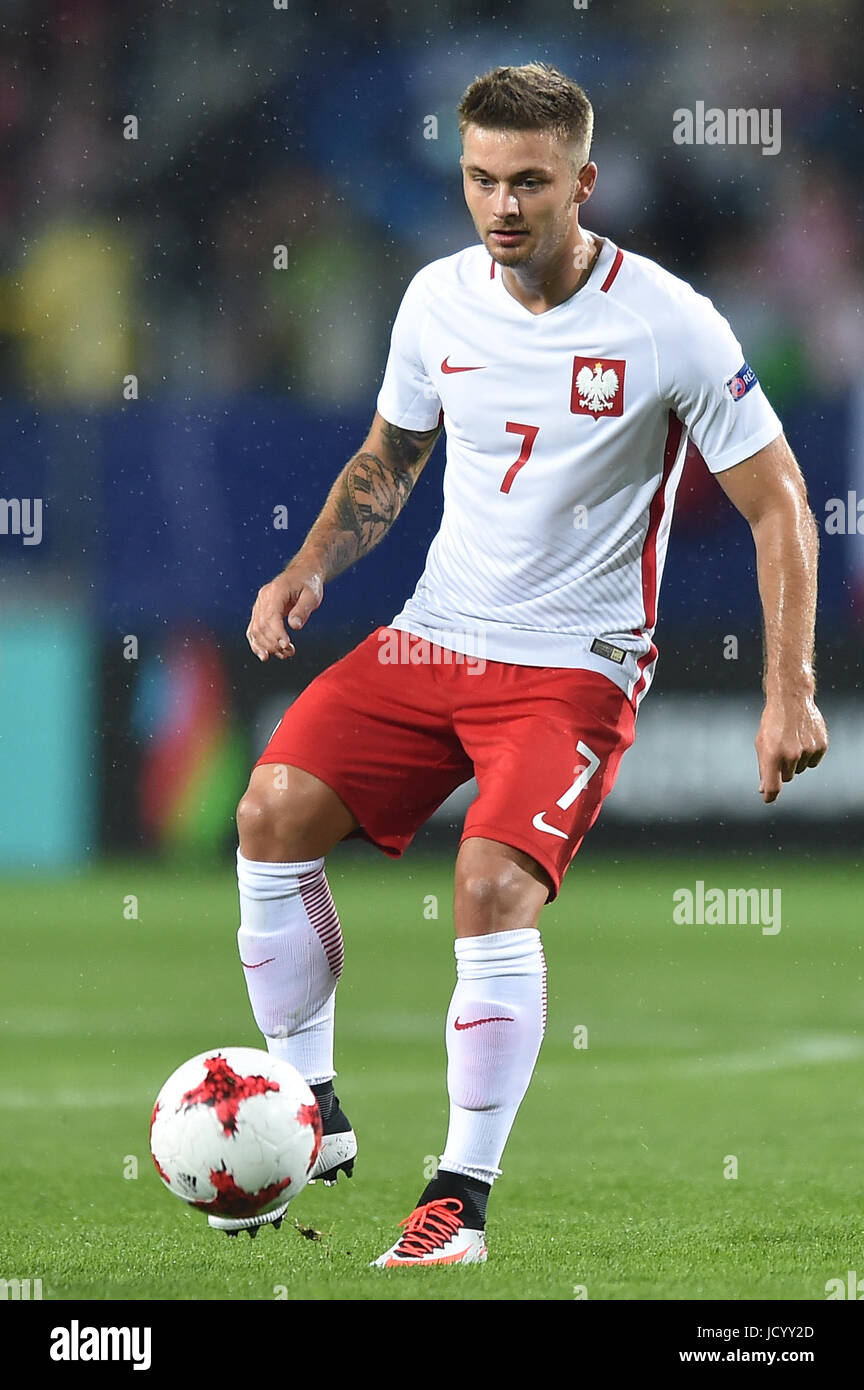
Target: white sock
<point>501,977</point>
<point>291,949</point>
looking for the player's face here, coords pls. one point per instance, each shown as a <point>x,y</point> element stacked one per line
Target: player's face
<point>522,192</point>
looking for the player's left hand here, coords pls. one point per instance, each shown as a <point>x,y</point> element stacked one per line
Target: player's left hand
<point>792,736</point>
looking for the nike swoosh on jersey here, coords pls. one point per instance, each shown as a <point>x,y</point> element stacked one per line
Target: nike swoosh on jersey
<point>539,824</point>
<point>258,963</point>
<point>447,369</point>
<point>478,1021</point>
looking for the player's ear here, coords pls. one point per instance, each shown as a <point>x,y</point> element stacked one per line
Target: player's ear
<point>585,181</point>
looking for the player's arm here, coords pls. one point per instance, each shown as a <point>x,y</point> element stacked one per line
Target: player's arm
<point>362,505</point>
<point>769,491</point>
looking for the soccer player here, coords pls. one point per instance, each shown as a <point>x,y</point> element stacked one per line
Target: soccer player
<point>568,375</point>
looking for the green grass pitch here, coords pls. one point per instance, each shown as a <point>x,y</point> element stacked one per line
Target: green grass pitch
<point>704,1044</point>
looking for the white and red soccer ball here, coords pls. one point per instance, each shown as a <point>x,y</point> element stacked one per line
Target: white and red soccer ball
<point>235,1132</point>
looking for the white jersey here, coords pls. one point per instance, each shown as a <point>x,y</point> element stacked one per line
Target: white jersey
<point>566,436</point>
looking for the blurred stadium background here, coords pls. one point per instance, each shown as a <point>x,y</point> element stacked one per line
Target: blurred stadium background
<point>179,406</point>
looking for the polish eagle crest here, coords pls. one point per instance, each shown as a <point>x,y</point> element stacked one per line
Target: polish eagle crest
<point>597,389</point>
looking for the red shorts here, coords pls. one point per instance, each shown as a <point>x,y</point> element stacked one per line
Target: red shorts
<point>394,739</point>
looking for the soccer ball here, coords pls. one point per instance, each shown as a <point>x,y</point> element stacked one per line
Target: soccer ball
<point>235,1132</point>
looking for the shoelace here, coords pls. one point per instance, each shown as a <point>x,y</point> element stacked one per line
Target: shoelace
<point>430,1226</point>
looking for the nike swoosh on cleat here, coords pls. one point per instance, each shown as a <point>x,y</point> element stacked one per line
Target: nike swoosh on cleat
<point>539,824</point>
<point>478,1021</point>
<point>258,963</point>
<point>447,369</point>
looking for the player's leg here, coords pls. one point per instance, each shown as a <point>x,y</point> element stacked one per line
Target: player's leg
<point>495,1026</point>
<point>290,942</point>
<point>290,938</point>
<point>337,747</point>
<point>337,762</point>
<point>497,1013</point>
<point>546,746</point>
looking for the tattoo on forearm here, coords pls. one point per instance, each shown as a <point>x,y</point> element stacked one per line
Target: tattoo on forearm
<point>377,495</point>
<point>371,493</point>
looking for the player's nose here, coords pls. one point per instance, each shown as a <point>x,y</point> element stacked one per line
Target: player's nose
<point>506,204</point>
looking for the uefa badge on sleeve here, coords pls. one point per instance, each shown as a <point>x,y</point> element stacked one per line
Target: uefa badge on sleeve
<point>744,379</point>
<point>598,386</point>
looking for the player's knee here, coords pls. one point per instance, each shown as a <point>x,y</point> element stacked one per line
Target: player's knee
<point>288,815</point>
<point>490,893</point>
<point>268,815</point>
<point>250,817</point>
<point>255,812</point>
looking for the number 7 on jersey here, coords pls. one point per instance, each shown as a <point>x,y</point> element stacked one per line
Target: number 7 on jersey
<point>530,434</point>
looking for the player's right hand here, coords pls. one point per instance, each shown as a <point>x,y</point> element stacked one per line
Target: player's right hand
<point>293,595</point>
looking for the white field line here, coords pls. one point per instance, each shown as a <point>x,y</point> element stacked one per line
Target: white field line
<point>817,1049</point>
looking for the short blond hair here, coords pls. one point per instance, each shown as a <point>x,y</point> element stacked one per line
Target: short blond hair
<point>535,96</point>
